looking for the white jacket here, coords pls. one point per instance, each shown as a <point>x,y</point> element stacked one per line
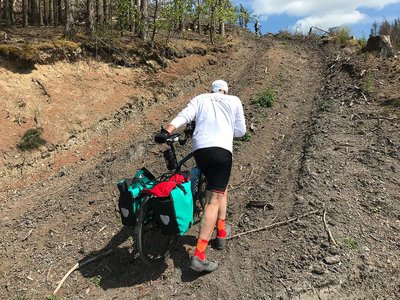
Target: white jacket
<point>219,118</point>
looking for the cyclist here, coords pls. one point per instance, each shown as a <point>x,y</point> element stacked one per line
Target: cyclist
<point>257,27</point>
<point>219,118</point>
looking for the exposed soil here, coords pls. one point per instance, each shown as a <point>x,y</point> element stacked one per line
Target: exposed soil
<point>330,145</point>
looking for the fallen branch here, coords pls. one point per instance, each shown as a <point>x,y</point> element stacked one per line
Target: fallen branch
<point>269,226</point>
<point>331,239</point>
<point>80,265</point>
<point>365,97</point>
<point>43,88</point>
<point>26,237</point>
<point>384,118</point>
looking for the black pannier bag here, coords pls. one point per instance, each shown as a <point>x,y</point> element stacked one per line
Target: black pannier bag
<point>131,197</point>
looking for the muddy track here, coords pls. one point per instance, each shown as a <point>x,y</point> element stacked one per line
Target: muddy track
<point>50,225</point>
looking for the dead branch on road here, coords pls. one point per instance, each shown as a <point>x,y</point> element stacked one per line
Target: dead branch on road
<point>331,239</point>
<point>269,226</point>
<point>80,265</point>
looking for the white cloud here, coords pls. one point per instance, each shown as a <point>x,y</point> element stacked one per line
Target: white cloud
<point>321,13</point>
<point>327,21</point>
<point>301,8</point>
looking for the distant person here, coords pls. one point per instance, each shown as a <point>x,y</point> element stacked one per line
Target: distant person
<point>257,27</point>
<point>219,118</point>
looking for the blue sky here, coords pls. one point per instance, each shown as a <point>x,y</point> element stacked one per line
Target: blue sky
<point>297,15</point>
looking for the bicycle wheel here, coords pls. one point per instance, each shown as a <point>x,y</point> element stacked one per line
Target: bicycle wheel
<point>154,246</point>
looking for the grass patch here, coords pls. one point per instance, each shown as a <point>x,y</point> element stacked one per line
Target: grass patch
<point>323,106</point>
<point>31,140</point>
<point>245,138</point>
<point>265,98</point>
<point>351,243</point>
<point>33,52</point>
<point>96,280</point>
<point>19,298</point>
<point>373,209</point>
<point>368,84</point>
<point>53,297</point>
<point>392,103</point>
<point>341,35</point>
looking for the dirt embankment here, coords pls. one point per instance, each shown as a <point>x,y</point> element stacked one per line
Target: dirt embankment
<point>329,145</point>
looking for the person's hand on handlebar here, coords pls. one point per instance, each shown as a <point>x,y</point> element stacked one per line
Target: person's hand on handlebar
<point>164,134</point>
<point>161,137</point>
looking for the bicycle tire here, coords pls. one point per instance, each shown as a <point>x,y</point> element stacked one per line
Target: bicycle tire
<point>201,192</point>
<point>154,247</point>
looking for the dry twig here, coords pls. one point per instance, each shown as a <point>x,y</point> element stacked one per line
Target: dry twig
<point>80,265</point>
<point>26,237</point>
<point>331,239</point>
<point>269,226</point>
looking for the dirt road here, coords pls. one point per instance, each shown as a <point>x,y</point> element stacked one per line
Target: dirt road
<point>323,147</point>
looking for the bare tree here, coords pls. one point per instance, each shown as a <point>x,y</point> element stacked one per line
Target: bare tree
<point>69,23</point>
<point>138,16</point>
<point>107,11</point>
<point>7,13</point>
<point>55,12</point>
<point>1,12</point>
<point>222,21</point>
<point>143,31</point>
<point>100,13</point>
<point>24,13</point>
<point>40,12</point>
<point>51,12</point>
<point>90,17</point>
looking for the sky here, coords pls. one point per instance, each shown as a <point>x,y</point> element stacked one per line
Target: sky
<point>299,16</point>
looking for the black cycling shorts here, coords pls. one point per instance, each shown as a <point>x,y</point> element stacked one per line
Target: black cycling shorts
<point>216,165</point>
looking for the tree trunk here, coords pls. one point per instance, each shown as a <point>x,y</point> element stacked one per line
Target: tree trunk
<point>155,15</point>
<point>24,13</point>
<point>45,13</point>
<point>40,12</point>
<point>90,17</point>
<point>143,32</point>
<point>7,14</point>
<point>55,12</point>
<point>100,13</point>
<point>198,17</point>
<point>60,15</point>
<point>221,21</point>
<point>35,12</point>
<point>106,6</point>
<point>138,16</point>
<point>69,24</point>
<point>181,17</point>
<point>1,12</point>
<point>51,12</point>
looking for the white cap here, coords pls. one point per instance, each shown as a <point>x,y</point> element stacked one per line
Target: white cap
<point>218,85</point>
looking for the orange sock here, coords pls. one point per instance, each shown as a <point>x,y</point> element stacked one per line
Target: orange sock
<point>201,248</point>
<point>221,233</point>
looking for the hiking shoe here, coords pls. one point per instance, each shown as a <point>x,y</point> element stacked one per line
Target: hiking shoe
<point>220,243</point>
<point>205,265</point>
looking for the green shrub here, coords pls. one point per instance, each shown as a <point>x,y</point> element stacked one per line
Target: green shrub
<point>96,280</point>
<point>245,138</point>
<point>392,102</point>
<point>342,35</point>
<point>53,297</point>
<point>265,98</point>
<point>368,84</point>
<point>352,244</point>
<point>31,140</point>
<point>323,106</point>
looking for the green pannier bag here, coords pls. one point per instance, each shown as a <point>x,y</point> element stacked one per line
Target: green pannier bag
<point>175,213</point>
<point>131,196</point>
